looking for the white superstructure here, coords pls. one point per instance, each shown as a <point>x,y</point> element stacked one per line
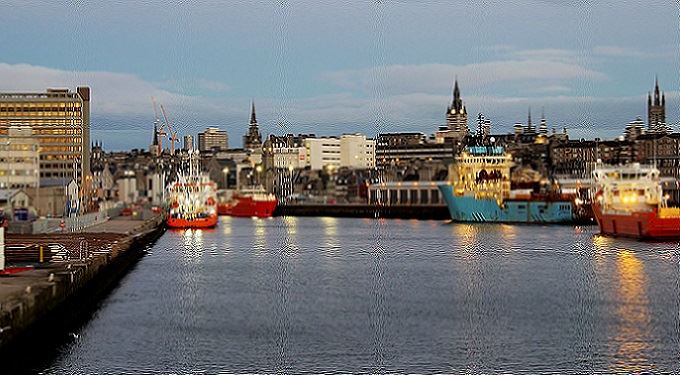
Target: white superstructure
<point>631,188</point>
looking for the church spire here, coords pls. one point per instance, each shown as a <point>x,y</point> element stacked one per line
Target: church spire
<point>456,90</point>
<point>657,98</point>
<point>457,102</point>
<point>656,109</point>
<point>456,115</point>
<point>530,127</point>
<point>253,118</point>
<point>252,139</point>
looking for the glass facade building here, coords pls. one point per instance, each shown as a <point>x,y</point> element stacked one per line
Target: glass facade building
<point>60,122</point>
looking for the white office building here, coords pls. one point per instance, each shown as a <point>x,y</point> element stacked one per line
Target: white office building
<point>356,151</point>
<point>323,152</point>
<point>349,150</point>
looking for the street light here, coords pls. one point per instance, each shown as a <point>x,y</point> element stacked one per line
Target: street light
<point>225,172</point>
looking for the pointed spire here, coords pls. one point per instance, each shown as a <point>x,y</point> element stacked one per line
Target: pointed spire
<point>656,82</point>
<point>529,126</point>
<point>253,118</point>
<point>456,90</point>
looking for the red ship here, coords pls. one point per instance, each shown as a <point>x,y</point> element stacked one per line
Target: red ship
<point>191,198</point>
<point>629,202</point>
<point>209,221</point>
<point>249,203</point>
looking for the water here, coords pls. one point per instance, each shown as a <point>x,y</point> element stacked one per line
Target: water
<point>357,295</point>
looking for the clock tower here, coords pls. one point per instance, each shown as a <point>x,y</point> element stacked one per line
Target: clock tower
<point>456,115</point>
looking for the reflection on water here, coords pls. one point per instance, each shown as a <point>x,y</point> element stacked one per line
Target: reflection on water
<point>193,244</point>
<point>331,242</point>
<point>291,224</point>
<point>317,295</point>
<point>466,234</point>
<point>260,239</point>
<point>632,342</point>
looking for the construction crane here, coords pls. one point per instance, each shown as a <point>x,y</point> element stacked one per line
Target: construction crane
<point>171,132</point>
<point>160,132</point>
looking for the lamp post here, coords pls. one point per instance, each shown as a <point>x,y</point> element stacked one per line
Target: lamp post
<point>225,172</point>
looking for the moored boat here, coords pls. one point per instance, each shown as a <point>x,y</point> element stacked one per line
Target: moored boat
<point>255,202</point>
<point>479,190</point>
<point>191,198</point>
<point>629,202</point>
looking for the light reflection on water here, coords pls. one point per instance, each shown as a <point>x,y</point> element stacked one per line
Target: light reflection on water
<point>260,243</point>
<point>359,295</point>
<point>193,245</point>
<point>632,342</point>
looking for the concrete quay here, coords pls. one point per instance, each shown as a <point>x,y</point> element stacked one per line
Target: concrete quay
<point>82,267</point>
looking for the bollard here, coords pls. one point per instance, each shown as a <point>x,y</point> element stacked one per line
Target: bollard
<point>41,254</point>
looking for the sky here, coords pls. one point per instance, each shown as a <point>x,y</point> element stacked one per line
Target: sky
<point>334,67</point>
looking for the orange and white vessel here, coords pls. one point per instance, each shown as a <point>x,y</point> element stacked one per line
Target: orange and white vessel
<point>192,199</point>
<point>629,202</point>
<point>254,202</point>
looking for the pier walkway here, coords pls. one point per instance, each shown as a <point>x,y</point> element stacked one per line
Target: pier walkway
<point>67,266</point>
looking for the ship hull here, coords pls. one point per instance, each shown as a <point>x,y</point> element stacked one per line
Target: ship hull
<point>640,225</point>
<point>197,223</point>
<point>470,209</point>
<point>248,207</point>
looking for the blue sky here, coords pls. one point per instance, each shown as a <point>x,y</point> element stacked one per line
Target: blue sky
<point>332,67</point>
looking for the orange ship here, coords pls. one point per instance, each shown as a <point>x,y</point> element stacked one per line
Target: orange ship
<point>249,203</point>
<point>629,202</point>
<point>191,198</point>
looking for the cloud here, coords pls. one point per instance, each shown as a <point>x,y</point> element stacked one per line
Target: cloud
<point>548,54</point>
<point>112,93</point>
<point>615,51</point>
<point>551,89</point>
<point>188,85</point>
<point>438,77</point>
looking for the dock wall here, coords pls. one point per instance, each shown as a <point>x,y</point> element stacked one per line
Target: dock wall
<point>31,300</point>
<point>420,212</point>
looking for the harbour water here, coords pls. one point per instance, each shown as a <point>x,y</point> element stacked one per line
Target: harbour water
<point>360,295</point>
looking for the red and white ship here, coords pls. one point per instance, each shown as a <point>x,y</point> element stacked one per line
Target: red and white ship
<point>254,202</point>
<point>192,199</point>
<point>629,202</point>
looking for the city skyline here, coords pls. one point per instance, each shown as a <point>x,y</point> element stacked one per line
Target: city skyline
<point>590,67</point>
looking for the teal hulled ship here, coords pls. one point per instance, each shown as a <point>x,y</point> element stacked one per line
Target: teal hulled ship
<point>480,190</point>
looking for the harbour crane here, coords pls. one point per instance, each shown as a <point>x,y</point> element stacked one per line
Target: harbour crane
<point>172,134</point>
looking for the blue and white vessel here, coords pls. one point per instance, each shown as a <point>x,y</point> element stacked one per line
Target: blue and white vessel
<point>479,190</point>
